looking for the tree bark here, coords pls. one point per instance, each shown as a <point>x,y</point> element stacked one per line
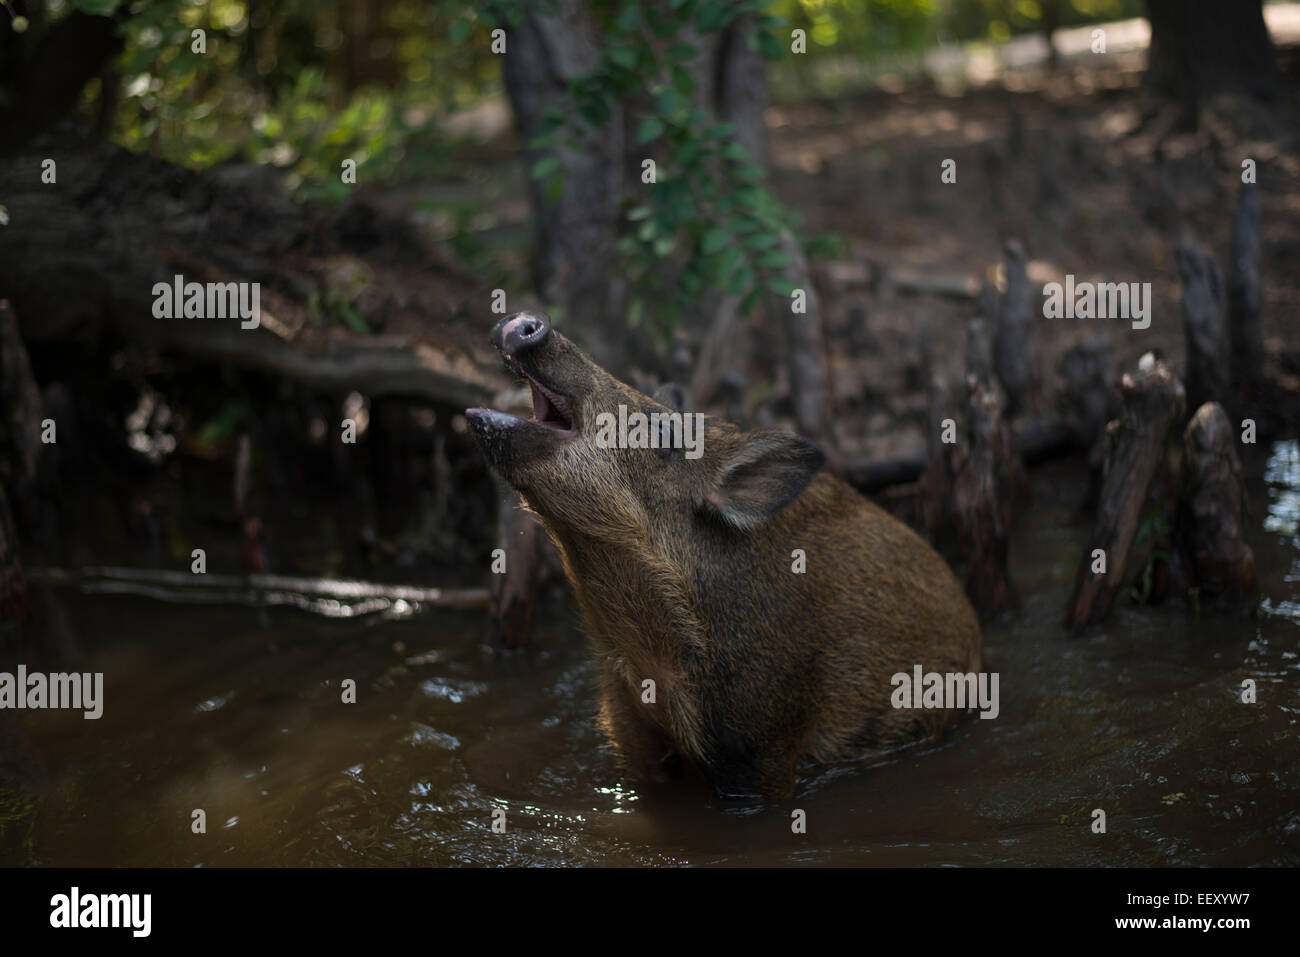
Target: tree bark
<point>573,267</point>
<point>1206,47</point>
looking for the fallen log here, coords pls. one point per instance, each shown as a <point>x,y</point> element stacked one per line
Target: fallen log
<point>351,301</point>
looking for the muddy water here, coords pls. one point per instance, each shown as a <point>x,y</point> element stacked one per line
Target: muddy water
<point>238,714</point>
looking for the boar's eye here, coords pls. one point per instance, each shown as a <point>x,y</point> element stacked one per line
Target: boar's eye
<point>666,451</point>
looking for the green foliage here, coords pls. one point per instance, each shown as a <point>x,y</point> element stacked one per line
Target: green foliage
<point>274,92</point>
<point>99,8</point>
<point>869,37</point>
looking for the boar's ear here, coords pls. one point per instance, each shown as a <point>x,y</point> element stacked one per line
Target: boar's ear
<point>763,476</point>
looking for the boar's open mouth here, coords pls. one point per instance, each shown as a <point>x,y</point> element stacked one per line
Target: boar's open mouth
<point>551,409</point>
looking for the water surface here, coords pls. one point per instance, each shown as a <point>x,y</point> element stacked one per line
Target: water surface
<point>238,712</point>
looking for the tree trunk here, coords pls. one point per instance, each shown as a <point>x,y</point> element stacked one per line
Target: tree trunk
<point>1210,46</point>
<point>573,268</point>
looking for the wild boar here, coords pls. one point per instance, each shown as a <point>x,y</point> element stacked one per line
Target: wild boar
<point>717,649</point>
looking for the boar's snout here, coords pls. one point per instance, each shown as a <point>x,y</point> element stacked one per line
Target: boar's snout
<point>548,363</point>
<point>519,333</point>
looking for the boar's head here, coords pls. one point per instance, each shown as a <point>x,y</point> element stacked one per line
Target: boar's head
<point>582,484</point>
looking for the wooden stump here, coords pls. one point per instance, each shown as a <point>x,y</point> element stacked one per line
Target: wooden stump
<point>1215,505</point>
<point>985,473</point>
<point>1153,402</point>
<point>1015,354</point>
<point>969,483</point>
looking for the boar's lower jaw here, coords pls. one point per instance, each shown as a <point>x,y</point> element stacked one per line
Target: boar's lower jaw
<point>509,441</point>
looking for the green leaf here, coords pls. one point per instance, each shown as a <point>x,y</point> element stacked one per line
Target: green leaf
<point>711,16</point>
<point>624,56</point>
<point>714,240</point>
<point>776,259</point>
<point>770,46</point>
<point>628,19</point>
<point>353,320</point>
<point>750,197</point>
<point>459,31</point>
<point>728,263</point>
<point>750,301</point>
<point>741,282</point>
<point>669,102</point>
<point>639,212</point>
<point>663,245</point>
<point>554,189</point>
<point>682,51</point>
<point>545,166</point>
<point>736,151</point>
<point>651,128</point>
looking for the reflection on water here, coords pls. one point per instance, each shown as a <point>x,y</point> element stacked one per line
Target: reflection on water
<point>242,717</point>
